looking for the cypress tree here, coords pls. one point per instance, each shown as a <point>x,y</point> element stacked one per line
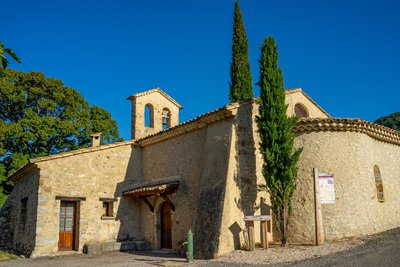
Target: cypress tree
<point>276,134</point>
<point>241,81</point>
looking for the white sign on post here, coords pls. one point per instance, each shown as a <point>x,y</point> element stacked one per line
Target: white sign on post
<point>326,188</point>
<point>257,218</point>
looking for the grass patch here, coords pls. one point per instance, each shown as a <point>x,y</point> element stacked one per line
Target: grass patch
<point>4,256</point>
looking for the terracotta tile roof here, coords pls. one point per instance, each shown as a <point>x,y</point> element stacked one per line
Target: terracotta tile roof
<point>193,124</point>
<point>24,170</point>
<point>182,128</point>
<point>81,151</point>
<point>155,90</point>
<point>297,90</point>
<point>352,125</point>
<point>188,126</point>
<point>150,189</point>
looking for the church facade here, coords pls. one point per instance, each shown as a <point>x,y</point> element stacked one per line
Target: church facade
<point>202,175</point>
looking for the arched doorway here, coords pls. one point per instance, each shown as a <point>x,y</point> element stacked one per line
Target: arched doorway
<point>166,233</point>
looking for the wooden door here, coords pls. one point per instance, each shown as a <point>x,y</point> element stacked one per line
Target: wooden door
<point>67,225</point>
<point>166,233</point>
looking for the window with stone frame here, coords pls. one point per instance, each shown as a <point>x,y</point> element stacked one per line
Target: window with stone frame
<point>107,211</point>
<point>23,214</point>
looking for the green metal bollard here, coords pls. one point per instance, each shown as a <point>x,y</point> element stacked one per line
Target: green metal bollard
<point>189,246</point>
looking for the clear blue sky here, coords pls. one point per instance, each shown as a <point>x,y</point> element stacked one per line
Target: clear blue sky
<point>344,53</point>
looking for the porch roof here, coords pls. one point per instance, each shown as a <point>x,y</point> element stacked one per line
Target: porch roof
<point>153,189</point>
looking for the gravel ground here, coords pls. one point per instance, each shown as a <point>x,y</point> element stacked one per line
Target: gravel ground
<point>382,250</point>
<point>272,255</point>
<point>371,251</point>
<point>114,259</point>
<point>377,250</point>
<point>276,254</point>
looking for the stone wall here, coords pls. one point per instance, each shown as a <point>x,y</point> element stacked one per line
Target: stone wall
<point>6,233</point>
<point>199,160</point>
<point>351,157</point>
<point>219,167</point>
<point>95,175</point>
<point>242,197</point>
<point>23,235</point>
<point>178,158</point>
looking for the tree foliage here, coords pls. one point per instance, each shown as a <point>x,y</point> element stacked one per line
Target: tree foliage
<point>391,121</point>
<point>3,58</point>
<point>276,134</point>
<point>241,80</point>
<point>41,116</point>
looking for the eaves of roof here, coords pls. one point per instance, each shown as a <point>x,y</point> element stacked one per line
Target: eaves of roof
<point>373,130</point>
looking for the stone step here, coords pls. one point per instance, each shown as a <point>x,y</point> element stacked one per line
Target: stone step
<point>95,248</point>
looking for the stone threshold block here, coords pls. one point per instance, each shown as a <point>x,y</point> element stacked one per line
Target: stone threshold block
<point>97,248</point>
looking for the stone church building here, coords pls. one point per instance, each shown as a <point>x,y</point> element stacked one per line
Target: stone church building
<point>201,175</point>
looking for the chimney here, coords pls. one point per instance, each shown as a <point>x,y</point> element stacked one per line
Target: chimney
<point>95,139</point>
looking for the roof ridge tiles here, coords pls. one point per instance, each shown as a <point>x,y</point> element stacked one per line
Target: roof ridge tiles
<point>371,129</point>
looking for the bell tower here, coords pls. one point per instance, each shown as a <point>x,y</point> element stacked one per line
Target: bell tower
<point>152,111</point>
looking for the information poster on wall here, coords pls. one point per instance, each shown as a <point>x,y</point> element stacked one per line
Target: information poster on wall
<point>327,188</point>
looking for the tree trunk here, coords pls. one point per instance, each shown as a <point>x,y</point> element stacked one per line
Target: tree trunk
<point>283,226</point>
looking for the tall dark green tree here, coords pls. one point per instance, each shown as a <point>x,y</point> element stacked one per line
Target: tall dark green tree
<point>276,134</point>
<point>41,116</point>
<point>241,82</point>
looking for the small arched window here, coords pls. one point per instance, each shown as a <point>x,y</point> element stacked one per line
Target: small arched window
<point>301,111</point>
<point>149,116</point>
<point>379,184</point>
<point>166,119</point>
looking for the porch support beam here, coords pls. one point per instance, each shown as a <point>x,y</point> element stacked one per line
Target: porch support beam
<point>151,207</point>
<point>165,197</point>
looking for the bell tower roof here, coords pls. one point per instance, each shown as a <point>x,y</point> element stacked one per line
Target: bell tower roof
<point>152,91</point>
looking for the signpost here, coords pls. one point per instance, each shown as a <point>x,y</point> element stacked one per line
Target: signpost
<point>250,227</point>
<point>324,193</point>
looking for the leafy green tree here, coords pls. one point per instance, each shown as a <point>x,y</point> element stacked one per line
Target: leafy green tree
<point>241,81</point>
<point>276,134</point>
<point>392,121</point>
<point>3,59</point>
<point>41,116</point>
